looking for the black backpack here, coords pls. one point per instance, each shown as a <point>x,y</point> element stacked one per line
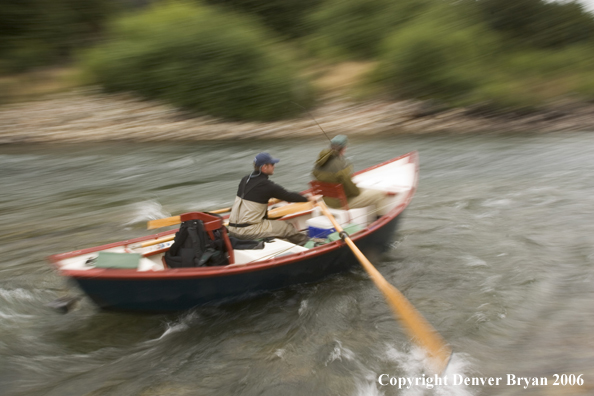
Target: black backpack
<point>192,247</point>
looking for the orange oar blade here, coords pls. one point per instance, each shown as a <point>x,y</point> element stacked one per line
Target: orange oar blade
<point>416,325</point>
<point>151,225</point>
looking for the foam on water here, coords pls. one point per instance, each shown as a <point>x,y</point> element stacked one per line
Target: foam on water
<point>339,352</point>
<point>367,387</point>
<point>174,329</point>
<point>16,295</point>
<point>12,315</point>
<point>145,211</point>
<point>302,307</point>
<point>495,203</point>
<point>183,324</point>
<point>414,364</point>
<point>472,261</point>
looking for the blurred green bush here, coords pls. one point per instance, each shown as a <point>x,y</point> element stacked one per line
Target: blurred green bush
<point>200,58</point>
<point>285,17</point>
<point>356,28</point>
<point>538,23</point>
<point>451,55</point>
<point>37,33</point>
<point>237,58</point>
<point>437,55</point>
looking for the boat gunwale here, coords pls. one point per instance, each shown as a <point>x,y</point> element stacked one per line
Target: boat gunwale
<point>232,269</point>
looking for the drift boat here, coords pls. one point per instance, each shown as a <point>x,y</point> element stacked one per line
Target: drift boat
<point>136,277</point>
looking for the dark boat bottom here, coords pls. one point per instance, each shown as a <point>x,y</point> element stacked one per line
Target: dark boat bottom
<point>161,294</point>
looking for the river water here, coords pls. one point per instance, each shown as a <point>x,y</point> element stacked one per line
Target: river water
<point>496,250</point>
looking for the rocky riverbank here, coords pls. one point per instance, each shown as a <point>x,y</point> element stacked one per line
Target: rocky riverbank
<point>88,116</point>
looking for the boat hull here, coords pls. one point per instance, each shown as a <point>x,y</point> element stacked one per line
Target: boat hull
<point>166,293</point>
<point>153,287</point>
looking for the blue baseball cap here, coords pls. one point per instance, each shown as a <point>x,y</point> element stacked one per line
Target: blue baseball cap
<point>263,159</point>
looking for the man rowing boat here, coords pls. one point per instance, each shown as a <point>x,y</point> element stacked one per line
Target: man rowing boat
<point>248,218</point>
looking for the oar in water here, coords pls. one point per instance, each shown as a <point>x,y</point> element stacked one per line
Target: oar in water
<point>416,325</point>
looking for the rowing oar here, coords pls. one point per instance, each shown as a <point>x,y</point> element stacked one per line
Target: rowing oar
<point>152,242</point>
<point>272,214</point>
<point>169,221</point>
<point>418,327</point>
<point>288,209</point>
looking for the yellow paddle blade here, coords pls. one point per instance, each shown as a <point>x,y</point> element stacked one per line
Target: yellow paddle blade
<point>151,225</point>
<point>416,325</point>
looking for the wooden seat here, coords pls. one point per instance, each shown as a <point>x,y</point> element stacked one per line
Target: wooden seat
<point>331,190</point>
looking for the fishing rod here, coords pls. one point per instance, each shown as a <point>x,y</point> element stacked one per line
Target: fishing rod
<point>312,117</point>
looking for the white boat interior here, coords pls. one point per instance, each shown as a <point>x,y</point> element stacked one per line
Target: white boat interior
<point>395,178</point>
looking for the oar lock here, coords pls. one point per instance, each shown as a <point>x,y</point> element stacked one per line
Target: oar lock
<point>343,235</point>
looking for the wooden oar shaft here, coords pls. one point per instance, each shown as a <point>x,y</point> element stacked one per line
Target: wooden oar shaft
<point>166,238</point>
<point>169,221</point>
<point>173,220</point>
<point>157,241</point>
<point>417,326</point>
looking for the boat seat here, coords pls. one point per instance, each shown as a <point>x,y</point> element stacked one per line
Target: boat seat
<point>331,190</point>
<point>345,215</point>
<point>272,249</point>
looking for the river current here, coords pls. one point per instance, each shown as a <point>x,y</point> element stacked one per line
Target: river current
<point>496,250</point>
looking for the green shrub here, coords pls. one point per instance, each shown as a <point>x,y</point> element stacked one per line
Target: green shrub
<point>538,23</point>
<point>355,28</point>
<point>37,33</point>
<point>436,56</point>
<point>583,86</point>
<point>532,78</point>
<point>547,63</point>
<point>504,95</point>
<point>201,59</point>
<point>286,17</point>
<point>463,64</point>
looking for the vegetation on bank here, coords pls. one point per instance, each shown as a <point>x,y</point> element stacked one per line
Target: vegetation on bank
<point>248,59</point>
<point>202,59</point>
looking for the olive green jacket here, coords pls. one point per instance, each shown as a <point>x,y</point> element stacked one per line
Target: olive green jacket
<point>332,167</point>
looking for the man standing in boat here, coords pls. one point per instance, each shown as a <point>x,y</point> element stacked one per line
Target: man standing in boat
<point>332,167</point>
<point>248,218</point>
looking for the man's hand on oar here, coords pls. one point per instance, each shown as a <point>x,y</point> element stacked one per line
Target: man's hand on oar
<point>417,326</point>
